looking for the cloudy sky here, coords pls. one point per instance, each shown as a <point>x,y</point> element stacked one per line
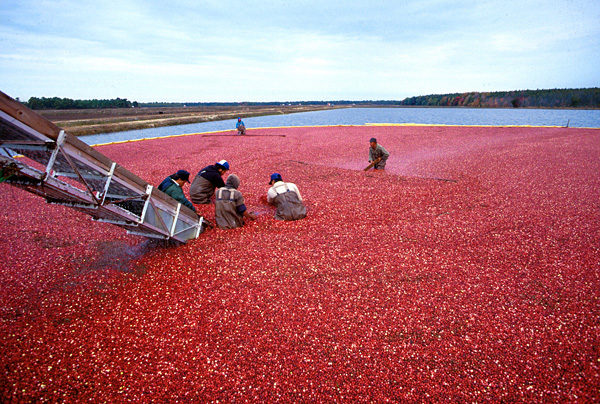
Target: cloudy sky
<point>223,50</point>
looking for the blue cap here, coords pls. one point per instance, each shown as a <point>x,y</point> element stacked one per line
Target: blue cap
<point>223,163</point>
<point>373,140</point>
<point>275,177</point>
<point>183,175</point>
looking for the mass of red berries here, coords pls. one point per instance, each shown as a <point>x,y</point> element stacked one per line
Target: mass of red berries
<point>468,271</point>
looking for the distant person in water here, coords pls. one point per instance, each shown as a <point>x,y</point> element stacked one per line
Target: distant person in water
<point>377,155</point>
<point>241,128</point>
<point>206,181</point>
<point>173,186</point>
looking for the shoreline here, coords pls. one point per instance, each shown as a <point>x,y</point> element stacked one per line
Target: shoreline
<point>100,121</point>
<point>95,122</point>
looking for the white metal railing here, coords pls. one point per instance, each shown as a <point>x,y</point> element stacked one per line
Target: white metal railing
<point>45,160</point>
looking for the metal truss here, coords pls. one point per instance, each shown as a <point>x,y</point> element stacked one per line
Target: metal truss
<point>40,158</point>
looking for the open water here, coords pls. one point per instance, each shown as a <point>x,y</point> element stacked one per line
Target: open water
<point>361,116</point>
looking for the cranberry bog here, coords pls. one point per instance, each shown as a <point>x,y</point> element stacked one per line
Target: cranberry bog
<point>468,271</point>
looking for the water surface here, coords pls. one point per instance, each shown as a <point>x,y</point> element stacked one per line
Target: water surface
<point>361,116</point>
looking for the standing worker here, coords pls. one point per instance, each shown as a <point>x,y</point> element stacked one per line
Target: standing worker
<point>173,186</point>
<point>230,209</point>
<point>241,128</point>
<point>377,155</point>
<point>206,181</point>
<point>287,198</point>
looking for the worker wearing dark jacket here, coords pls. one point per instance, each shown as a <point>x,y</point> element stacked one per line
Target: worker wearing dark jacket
<point>206,181</point>
<point>173,186</point>
<point>230,209</point>
<point>287,198</point>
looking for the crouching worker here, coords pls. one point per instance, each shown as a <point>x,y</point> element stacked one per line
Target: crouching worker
<point>287,198</point>
<point>206,181</point>
<point>377,155</point>
<point>173,186</point>
<point>230,210</point>
<point>241,128</point>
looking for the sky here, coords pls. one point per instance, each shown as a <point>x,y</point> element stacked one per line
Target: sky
<point>301,50</point>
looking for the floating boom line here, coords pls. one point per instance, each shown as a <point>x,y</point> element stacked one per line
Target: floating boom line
<point>65,171</point>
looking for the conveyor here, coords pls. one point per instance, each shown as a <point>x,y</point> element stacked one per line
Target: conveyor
<point>43,159</point>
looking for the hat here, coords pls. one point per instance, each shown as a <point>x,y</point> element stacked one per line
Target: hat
<point>275,177</point>
<point>223,163</point>
<point>183,175</point>
<point>232,181</point>
<point>239,119</point>
<point>373,140</point>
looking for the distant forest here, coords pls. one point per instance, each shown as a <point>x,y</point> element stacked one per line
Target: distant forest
<point>67,103</point>
<point>555,98</point>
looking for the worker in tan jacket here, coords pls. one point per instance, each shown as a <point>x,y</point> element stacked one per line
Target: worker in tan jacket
<point>377,155</point>
<point>230,209</point>
<point>286,197</point>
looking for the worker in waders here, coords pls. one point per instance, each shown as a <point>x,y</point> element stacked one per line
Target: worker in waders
<point>377,155</point>
<point>206,181</point>
<point>241,128</point>
<point>286,197</point>
<point>173,186</point>
<point>230,209</point>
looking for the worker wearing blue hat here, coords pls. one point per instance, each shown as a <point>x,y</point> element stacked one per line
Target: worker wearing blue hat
<point>173,186</point>
<point>241,128</point>
<point>286,197</point>
<point>207,180</point>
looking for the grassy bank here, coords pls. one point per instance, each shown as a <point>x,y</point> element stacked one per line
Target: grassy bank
<point>96,121</point>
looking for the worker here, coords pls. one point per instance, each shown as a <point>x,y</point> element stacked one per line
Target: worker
<point>230,209</point>
<point>206,181</point>
<point>287,198</point>
<point>241,128</point>
<point>173,186</point>
<point>377,155</point>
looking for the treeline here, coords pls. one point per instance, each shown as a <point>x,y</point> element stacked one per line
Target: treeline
<point>555,98</point>
<point>67,103</point>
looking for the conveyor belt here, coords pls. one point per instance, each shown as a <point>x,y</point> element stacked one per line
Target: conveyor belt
<point>66,171</point>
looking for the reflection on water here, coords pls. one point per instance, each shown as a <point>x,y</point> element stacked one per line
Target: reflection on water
<point>361,116</point>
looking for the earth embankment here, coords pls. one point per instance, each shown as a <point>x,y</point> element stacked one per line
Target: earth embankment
<point>95,121</point>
